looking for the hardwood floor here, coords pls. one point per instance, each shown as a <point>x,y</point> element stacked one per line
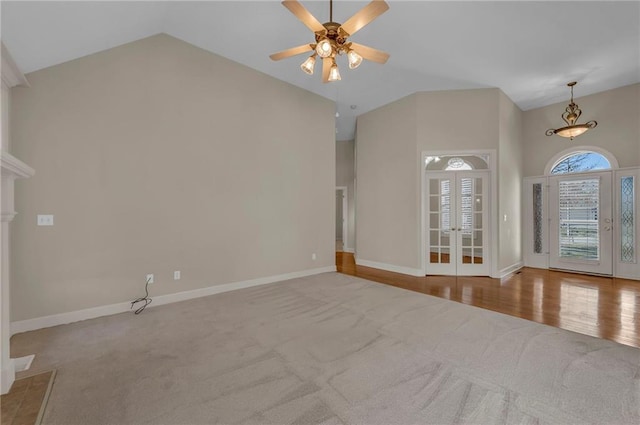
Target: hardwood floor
<point>24,403</point>
<point>606,308</point>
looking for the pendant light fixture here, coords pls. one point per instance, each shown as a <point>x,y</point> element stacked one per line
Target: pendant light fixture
<point>570,116</point>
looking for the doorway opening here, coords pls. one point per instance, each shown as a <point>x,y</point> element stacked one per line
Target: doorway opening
<point>580,216</point>
<point>581,212</point>
<point>456,214</point>
<point>341,218</point>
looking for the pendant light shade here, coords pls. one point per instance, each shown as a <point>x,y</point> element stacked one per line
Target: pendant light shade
<point>570,116</point>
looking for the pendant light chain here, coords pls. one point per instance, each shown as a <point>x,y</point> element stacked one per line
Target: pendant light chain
<point>571,93</point>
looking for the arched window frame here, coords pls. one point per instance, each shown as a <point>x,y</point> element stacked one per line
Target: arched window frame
<point>560,156</point>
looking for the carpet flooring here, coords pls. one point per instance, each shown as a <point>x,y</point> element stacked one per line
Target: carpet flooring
<point>330,349</point>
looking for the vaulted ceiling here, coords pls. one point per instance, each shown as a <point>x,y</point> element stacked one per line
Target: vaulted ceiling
<point>530,50</point>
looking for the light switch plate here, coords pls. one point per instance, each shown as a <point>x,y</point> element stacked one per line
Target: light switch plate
<point>45,219</point>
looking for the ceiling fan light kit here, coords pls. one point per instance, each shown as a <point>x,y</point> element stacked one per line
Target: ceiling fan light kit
<point>331,39</point>
<point>570,116</point>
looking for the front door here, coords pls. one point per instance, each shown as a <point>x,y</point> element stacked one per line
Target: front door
<point>457,238</point>
<point>580,212</point>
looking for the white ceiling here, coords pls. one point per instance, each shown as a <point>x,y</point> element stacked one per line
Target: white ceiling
<point>530,50</point>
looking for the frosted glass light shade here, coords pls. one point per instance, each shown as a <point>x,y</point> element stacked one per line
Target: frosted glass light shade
<point>354,59</point>
<point>307,66</point>
<point>324,48</point>
<point>334,74</point>
<point>572,131</point>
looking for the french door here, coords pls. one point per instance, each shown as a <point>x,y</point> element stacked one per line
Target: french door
<point>581,224</point>
<point>457,234</point>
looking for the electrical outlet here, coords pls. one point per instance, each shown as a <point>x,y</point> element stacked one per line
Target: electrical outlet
<point>149,278</point>
<point>313,256</point>
<point>176,275</point>
<point>45,220</point>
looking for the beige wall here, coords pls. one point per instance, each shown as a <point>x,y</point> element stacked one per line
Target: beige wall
<point>509,184</point>
<point>389,232</point>
<point>345,176</point>
<point>617,112</point>
<point>386,204</point>
<point>158,156</point>
<point>457,120</point>
<point>390,142</point>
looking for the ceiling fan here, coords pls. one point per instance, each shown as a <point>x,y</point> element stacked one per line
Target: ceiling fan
<point>332,39</point>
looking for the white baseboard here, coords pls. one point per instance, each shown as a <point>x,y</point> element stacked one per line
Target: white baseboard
<point>625,276</point>
<point>20,364</point>
<point>106,310</point>
<point>351,250</point>
<point>390,267</point>
<point>511,269</point>
<point>7,377</point>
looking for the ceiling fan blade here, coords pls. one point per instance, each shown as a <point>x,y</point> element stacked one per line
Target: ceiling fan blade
<point>369,53</point>
<point>326,67</point>
<point>291,52</point>
<point>364,16</point>
<point>304,15</point>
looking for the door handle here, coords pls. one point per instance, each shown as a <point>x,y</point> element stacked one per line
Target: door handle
<point>459,229</point>
<point>607,228</point>
<point>453,229</point>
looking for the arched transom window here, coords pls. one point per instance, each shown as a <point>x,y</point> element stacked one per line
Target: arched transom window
<point>579,162</point>
<point>456,162</point>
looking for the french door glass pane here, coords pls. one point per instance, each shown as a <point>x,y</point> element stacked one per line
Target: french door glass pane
<point>478,221</point>
<point>445,204</point>
<point>477,256</point>
<point>466,206</point>
<point>466,255</point>
<point>444,256</point>
<point>579,207</point>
